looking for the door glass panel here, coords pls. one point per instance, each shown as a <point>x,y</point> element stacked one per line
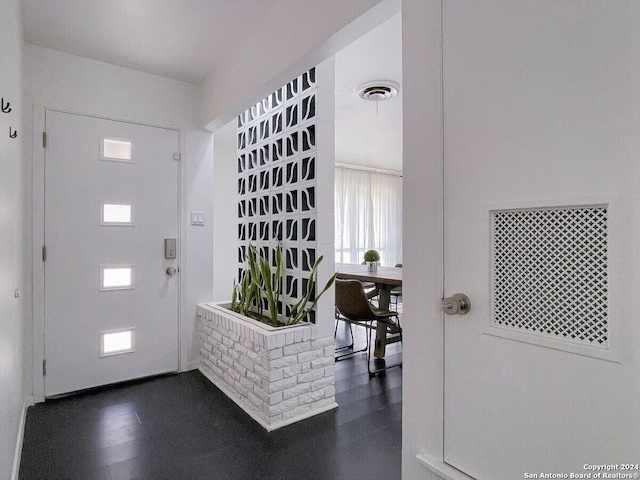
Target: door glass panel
<point>117,149</point>
<point>117,214</point>
<point>116,278</point>
<point>116,342</point>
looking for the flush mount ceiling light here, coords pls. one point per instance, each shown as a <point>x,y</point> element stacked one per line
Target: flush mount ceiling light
<point>378,91</point>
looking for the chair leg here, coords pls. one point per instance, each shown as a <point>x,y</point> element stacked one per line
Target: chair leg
<point>335,333</point>
<point>347,347</point>
<point>372,373</point>
<point>399,333</point>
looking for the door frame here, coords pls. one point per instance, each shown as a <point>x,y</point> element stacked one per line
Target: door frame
<point>423,221</point>
<point>423,236</point>
<point>37,239</point>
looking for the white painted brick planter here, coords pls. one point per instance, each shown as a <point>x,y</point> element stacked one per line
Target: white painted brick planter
<point>277,375</point>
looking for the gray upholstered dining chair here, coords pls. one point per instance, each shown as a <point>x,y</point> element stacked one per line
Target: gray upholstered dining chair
<point>352,307</point>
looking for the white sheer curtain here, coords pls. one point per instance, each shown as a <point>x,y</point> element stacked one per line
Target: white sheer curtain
<point>368,215</point>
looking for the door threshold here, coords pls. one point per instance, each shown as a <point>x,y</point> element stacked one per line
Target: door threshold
<point>109,386</point>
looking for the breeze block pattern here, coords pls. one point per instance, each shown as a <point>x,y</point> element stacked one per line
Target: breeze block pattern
<point>277,183</point>
<point>278,376</point>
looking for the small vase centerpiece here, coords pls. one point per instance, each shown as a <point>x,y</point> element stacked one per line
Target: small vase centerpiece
<point>372,257</point>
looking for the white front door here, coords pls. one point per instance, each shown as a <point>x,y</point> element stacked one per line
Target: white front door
<point>542,227</point>
<point>111,200</point>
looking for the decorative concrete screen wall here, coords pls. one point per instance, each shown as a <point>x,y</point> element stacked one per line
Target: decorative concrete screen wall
<point>285,167</point>
<point>283,176</point>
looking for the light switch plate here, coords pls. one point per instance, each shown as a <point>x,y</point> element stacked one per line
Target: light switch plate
<point>197,218</point>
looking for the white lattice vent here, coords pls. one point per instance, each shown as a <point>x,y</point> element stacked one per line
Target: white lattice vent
<point>550,273</point>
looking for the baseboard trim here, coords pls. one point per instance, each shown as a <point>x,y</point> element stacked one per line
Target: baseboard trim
<point>446,471</point>
<point>309,414</point>
<point>17,454</point>
<point>268,427</point>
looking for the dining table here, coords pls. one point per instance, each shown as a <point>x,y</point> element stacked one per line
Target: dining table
<point>385,280</point>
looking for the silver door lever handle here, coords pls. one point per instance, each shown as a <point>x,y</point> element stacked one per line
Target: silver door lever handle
<point>171,271</point>
<point>457,304</point>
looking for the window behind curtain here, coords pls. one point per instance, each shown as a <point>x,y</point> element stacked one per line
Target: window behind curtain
<point>368,215</point>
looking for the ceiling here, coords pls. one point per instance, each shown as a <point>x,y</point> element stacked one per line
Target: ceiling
<point>370,133</point>
<point>187,39</point>
<point>183,39</point>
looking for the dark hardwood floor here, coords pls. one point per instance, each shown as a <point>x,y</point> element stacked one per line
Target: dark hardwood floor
<point>182,427</point>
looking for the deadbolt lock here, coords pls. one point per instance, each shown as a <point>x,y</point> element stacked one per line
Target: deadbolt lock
<point>457,304</point>
<point>169,248</point>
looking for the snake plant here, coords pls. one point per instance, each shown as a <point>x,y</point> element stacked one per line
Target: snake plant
<point>258,285</point>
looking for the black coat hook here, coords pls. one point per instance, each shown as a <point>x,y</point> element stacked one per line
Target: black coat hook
<point>6,108</point>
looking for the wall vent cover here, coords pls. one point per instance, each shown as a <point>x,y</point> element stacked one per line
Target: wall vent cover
<point>550,273</point>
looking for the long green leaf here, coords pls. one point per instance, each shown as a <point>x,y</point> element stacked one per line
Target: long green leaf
<point>299,310</point>
<point>234,296</point>
<point>326,287</point>
<point>268,290</point>
<point>258,283</point>
<point>278,274</point>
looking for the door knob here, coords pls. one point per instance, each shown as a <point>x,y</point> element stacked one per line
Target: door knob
<point>457,304</point>
<point>171,271</point>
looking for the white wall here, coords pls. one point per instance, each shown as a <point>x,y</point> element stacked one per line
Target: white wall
<point>325,208</point>
<point>67,82</point>
<point>266,58</point>
<point>225,214</point>
<point>11,244</point>
<point>199,253</point>
<point>369,134</point>
<point>422,235</point>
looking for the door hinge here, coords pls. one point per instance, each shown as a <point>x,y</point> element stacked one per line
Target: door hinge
<point>177,157</point>
<point>44,139</point>
<point>44,253</point>
<point>44,367</point>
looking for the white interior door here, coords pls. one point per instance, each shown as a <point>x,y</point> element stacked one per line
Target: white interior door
<point>111,200</point>
<point>542,230</point>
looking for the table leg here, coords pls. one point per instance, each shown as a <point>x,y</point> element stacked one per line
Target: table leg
<point>384,298</point>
